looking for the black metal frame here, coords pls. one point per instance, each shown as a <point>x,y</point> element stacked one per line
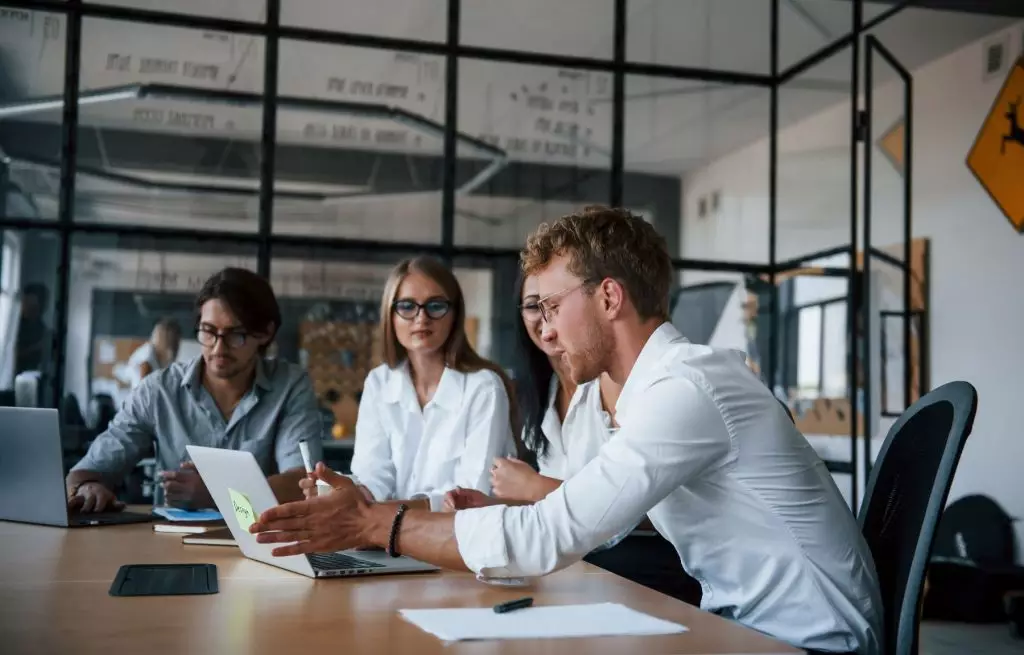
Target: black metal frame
<point>454,51</point>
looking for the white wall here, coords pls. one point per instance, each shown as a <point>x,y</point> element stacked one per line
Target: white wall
<point>977,259</point>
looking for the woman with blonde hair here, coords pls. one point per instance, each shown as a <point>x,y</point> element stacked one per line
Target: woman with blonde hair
<point>435,414</point>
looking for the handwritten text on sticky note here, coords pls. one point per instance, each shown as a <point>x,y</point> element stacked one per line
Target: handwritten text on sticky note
<point>243,509</point>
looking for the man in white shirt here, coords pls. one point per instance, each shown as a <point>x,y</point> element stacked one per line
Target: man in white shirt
<point>704,449</point>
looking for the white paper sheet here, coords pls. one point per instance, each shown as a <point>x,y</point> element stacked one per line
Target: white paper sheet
<point>594,620</point>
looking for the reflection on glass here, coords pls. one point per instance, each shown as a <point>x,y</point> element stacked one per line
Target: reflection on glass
<point>700,34</point>
<point>814,180</point>
<point>247,10</point>
<point>179,144</point>
<point>566,27</point>
<point>360,136</point>
<point>553,124</point>
<point>716,137</point>
<point>33,77</point>
<point>423,20</point>
<point>28,265</point>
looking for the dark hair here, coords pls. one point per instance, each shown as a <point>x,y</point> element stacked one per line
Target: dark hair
<point>248,296</point>
<point>170,325</point>
<point>41,293</point>
<point>533,372</point>
<point>606,242</point>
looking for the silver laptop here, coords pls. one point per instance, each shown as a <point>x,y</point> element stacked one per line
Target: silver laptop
<point>32,473</point>
<point>237,470</point>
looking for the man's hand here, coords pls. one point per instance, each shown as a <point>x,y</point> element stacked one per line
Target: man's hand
<point>515,479</point>
<point>184,488</point>
<point>336,521</point>
<point>460,498</point>
<point>94,497</point>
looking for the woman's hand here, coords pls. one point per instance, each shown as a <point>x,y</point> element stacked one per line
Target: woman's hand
<point>460,498</point>
<point>514,479</point>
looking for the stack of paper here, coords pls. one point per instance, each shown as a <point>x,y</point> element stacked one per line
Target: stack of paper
<point>594,620</point>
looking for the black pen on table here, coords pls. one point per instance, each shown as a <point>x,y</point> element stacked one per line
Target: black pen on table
<point>513,605</point>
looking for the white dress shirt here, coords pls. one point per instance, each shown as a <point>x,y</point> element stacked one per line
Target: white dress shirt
<point>578,440</point>
<point>405,452</point>
<point>707,452</point>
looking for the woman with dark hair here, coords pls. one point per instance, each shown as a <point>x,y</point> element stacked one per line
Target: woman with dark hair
<point>435,414</point>
<point>564,425</point>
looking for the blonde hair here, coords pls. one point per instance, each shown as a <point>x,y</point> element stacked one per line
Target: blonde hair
<point>606,242</point>
<point>459,355</point>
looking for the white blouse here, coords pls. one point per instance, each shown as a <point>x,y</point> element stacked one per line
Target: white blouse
<point>575,442</point>
<point>130,373</point>
<point>405,452</point>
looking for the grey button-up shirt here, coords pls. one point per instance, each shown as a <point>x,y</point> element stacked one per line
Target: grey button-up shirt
<point>173,408</point>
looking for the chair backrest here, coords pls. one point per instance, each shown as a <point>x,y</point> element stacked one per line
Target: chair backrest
<point>905,497</point>
<point>26,388</point>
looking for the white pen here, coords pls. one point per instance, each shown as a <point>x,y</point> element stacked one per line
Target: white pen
<point>307,461</point>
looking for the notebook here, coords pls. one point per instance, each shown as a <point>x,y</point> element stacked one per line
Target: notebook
<point>221,537</point>
<point>189,527</point>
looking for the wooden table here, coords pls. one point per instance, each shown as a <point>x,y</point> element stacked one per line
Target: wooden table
<point>54,584</point>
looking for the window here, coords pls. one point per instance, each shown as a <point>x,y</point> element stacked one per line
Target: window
<point>170,134</point>
<point>548,137</point>
<point>120,287</point>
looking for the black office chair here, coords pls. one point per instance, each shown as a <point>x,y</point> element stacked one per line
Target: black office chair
<point>905,497</point>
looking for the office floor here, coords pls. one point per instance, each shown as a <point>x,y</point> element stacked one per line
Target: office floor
<point>968,639</point>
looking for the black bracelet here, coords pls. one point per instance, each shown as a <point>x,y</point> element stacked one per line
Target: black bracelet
<point>395,525</point>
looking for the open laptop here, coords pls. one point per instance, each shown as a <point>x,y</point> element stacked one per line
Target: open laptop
<point>238,470</point>
<point>32,473</point>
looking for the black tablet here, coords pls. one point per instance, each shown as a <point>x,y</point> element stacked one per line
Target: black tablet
<point>165,580</point>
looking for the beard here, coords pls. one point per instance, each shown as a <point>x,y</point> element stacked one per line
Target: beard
<point>588,361</point>
<point>227,369</point>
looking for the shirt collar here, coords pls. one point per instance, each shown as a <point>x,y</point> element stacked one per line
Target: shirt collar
<point>448,394</point>
<point>650,355</point>
<point>449,390</point>
<point>193,371</point>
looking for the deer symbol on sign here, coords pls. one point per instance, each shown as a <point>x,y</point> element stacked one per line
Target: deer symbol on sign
<point>1016,134</point>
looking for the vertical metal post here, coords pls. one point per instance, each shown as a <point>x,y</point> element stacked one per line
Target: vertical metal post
<point>66,211</point>
<point>908,233</point>
<point>451,118</point>
<point>773,192</point>
<point>868,131</point>
<point>268,138</point>
<point>618,106</point>
<point>854,297</point>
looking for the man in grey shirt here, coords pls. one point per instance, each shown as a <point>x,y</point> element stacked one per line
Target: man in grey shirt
<point>229,397</point>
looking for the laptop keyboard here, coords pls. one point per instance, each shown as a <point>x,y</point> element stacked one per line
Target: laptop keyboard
<point>339,562</point>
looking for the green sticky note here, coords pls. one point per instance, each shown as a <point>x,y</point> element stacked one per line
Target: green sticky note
<point>243,509</point>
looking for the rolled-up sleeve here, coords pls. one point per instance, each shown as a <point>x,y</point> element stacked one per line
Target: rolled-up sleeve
<point>372,465</point>
<point>300,420</point>
<point>675,436</point>
<point>128,437</point>
<point>489,436</point>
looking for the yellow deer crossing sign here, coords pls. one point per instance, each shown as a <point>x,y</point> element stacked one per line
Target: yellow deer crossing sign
<point>997,158</point>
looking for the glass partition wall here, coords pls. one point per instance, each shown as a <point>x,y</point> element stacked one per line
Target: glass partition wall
<point>145,145</point>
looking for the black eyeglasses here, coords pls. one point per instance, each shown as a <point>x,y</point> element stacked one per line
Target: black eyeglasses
<point>409,309</point>
<point>232,338</point>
